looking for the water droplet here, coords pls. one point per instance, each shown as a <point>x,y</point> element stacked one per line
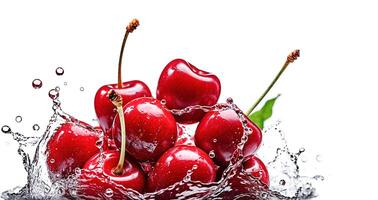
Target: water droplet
<point>301,150</point>
<point>57,88</point>
<point>195,167</point>
<point>319,158</point>
<point>212,154</point>
<point>99,143</point>
<point>304,159</point>
<point>187,178</point>
<point>163,101</point>
<point>77,171</point>
<point>37,83</point>
<point>282,182</point>
<point>108,192</point>
<point>73,192</point>
<point>59,71</point>
<point>215,140</point>
<point>53,94</point>
<point>52,160</point>
<point>260,174</point>
<point>81,88</point>
<point>229,100</point>
<point>264,195</point>
<point>60,191</point>
<point>319,178</point>
<point>18,119</point>
<point>36,127</point>
<point>6,129</point>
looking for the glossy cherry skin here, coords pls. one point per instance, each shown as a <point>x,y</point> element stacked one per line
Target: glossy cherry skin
<point>174,165</point>
<point>150,129</point>
<point>70,147</point>
<point>243,184</point>
<point>181,84</point>
<point>256,168</point>
<point>221,132</point>
<point>96,178</point>
<point>104,108</point>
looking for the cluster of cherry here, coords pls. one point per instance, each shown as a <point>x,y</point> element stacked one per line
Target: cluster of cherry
<point>141,131</point>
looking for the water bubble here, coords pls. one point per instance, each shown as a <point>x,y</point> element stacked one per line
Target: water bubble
<point>37,83</point>
<point>35,127</point>
<point>229,100</point>
<point>301,150</point>
<point>195,167</point>
<point>57,88</point>
<point>215,140</point>
<point>108,193</point>
<point>81,88</point>
<point>212,154</point>
<point>52,160</point>
<point>18,119</point>
<point>282,182</point>
<point>163,101</point>
<point>59,71</point>
<point>6,129</point>
<point>53,94</point>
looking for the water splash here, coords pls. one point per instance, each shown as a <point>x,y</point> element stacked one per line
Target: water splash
<point>286,180</point>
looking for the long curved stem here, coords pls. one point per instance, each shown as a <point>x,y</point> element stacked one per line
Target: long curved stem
<point>130,28</point>
<point>290,58</point>
<point>120,59</point>
<point>117,102</point>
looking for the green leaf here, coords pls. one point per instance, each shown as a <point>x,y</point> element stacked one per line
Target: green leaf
<point>264,113</point>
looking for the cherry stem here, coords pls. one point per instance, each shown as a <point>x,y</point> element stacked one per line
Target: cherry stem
<point>129,29</point>
<point>116,99</point>
<point>290,58</point>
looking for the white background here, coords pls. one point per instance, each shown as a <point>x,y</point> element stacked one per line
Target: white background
<point>329,96</point>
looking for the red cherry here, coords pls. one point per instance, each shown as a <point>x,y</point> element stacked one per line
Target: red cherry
<point>256,168</point>
<point>104,108</point>
<point>70,147</point>
<point>221,132</point>
<point>174,165</point>
<point>127,90</point>
<point>150,129</point>
<point>241,186</point>
<point>93,183</point>
<point>181,84</point>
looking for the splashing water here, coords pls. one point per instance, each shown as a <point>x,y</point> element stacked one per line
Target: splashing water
<point>286,180</point>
